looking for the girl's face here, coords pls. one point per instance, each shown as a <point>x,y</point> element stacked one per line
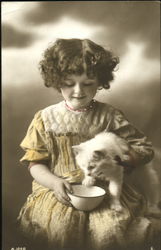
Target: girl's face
<point>79,90</point>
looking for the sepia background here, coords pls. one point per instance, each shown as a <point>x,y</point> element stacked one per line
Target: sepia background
<point>131,29</point>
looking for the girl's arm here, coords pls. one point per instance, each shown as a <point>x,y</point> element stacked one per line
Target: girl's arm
<point>44,177</point>
<point>141,151</point>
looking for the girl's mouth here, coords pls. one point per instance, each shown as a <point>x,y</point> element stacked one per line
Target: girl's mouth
<point>78,97</point>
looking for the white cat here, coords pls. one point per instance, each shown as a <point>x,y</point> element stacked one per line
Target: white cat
<point>100,157</point>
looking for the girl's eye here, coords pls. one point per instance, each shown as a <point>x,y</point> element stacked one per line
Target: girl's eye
<point>72,84</point>
<point>68,84</point>
<point>88,83</point>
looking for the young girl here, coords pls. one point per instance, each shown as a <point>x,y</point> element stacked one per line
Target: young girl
<point>78,68</point>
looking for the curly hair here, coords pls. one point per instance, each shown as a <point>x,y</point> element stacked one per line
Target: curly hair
<point>76,56</point>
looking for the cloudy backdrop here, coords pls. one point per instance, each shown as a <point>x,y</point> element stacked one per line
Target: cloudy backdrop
<point>131,29</point>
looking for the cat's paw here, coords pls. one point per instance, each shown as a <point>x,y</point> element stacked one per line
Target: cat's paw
<point>116,206</point>
<point>88,181</point>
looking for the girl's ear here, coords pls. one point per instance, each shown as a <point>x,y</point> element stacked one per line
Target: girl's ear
<point>76,149</point>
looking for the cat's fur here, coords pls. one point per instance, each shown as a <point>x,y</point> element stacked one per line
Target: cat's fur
<point>101,158</point>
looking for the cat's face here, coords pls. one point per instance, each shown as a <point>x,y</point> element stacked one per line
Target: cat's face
<point>93,162</point>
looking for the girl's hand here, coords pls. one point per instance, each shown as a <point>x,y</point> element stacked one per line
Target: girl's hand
<point>59,187</point>
<point>43,176</point>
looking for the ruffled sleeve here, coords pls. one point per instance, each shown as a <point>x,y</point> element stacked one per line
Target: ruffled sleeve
<point>35,142</point>
<point>137,140</point>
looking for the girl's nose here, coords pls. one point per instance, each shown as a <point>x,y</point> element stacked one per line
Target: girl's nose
<point>78,89</point>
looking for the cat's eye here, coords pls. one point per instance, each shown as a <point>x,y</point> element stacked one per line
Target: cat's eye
<point>90,167</point>
<point>100,173</point>
<point>98,155</point>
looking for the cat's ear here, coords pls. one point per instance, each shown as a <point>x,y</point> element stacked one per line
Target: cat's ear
<point>98,155</point>
<point>76,149</point>
<point>123,144</point>
<point>118,159</point>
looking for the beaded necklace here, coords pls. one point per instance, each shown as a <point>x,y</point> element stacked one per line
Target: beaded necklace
<point>81,110</point>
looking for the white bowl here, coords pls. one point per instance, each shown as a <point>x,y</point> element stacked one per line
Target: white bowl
<point>86,198</point>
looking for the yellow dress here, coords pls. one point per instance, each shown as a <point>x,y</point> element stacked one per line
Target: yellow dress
<point>50,136</point>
